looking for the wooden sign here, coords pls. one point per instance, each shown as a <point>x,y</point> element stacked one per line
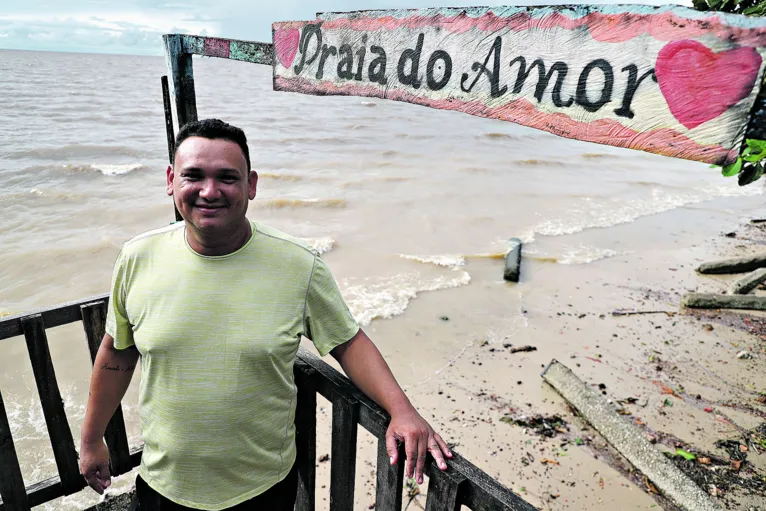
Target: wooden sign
<point>667,80</point>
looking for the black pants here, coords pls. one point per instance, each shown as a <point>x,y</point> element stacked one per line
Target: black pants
<point>280,497</point>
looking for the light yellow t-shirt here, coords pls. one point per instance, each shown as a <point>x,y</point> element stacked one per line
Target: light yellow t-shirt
<point>218,338</point>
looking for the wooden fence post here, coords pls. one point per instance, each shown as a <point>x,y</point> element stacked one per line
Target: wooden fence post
<point>181,75</point>
<point>12,488</point>
<point>306,436</point>
<point>94,323</point>
<point>345,418</point>
<point>53,406</point>
<point>443,489</point>
<point>389,480</point>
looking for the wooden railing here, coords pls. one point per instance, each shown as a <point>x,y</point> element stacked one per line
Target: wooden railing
<point>462,484</point>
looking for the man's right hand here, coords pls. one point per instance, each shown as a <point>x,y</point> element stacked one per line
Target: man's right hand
<point>94,466</point>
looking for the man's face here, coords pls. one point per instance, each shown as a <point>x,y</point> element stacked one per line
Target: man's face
<point>210,184</point>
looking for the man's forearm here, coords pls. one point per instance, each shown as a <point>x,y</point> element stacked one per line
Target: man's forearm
<point>365,366</point>
<point>112,372</point>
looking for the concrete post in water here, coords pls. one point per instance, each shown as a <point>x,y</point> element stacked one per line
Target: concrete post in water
<point>513,261</point>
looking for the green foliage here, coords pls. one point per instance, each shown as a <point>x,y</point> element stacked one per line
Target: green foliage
<point>747,7</point>
<point>750,164</point>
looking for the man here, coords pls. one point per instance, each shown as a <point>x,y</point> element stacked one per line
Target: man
<point>215,307</point>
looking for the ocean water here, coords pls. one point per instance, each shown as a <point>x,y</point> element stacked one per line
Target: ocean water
<point>401,199</point>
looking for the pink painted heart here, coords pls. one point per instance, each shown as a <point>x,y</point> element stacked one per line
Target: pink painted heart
<point>699,85</point>
<point>286,45</point>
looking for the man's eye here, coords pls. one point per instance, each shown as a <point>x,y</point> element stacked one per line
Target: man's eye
<point>229,179</point>
<point>190,177</point>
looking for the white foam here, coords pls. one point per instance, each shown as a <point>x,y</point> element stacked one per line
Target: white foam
<point>385,298</point>
<point>448,261</point>
<point>320,245</point>
<point>585,254</point>
<point>595,214</point>
<point>115,170</point>
<point>582,254</point>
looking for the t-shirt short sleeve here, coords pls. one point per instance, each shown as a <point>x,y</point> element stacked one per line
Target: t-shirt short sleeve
<point>327,320</point>
<point>117,323</point>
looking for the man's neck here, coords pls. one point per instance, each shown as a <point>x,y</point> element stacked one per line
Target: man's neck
<point>218,244</point>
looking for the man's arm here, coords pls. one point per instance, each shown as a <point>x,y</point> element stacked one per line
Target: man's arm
<point>112,372</point>
<point>364,365</point>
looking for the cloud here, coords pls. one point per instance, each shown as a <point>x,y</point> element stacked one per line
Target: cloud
<point>136,26</point>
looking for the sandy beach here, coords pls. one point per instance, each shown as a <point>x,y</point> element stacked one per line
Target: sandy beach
<point>676,375</point>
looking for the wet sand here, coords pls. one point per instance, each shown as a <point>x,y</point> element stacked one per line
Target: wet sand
<point>667,369</point>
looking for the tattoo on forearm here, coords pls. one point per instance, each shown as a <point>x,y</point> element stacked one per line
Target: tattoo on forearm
<point>117,368</point>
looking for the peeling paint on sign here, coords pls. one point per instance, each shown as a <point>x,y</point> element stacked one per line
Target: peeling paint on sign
<point>667,80</point>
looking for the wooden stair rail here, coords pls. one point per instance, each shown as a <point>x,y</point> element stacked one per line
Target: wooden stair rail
<point>462,484</point>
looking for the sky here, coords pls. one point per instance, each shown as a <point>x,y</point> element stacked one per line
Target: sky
<point>136,26</point>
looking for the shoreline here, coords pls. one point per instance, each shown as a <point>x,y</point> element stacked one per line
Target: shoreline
<point>676,375</point>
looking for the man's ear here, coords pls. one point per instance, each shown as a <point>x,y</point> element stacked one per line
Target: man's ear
<point>169,174</point>
<point>252,183</point>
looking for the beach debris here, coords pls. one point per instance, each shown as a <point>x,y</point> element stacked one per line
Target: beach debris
<point>735,265</point>
<point>744,354</point>
<point>513,261</point>
<point>629,441</point>
<point>749,282</point>
<point>546,461</point>
<point>540,424</point>
<point>685,454</point>
<point>758,221</point>
<point>718,301</point>
<point>522,349</point>
<point>670,314</point>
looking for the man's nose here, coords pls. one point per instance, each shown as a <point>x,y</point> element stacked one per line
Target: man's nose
<point>209,190</point>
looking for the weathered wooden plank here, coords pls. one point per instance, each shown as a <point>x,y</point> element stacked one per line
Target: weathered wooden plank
<point>443,489</point>
<point>234,49</point>
<point>49,489</point>
<point>56,315</point>
<point>625,75</point>
<point>168,107</point>
<point>94,323</point>
<point>181,76</point>
<point>389,480</point>
<point>483,493</point>
<point>53,406</point>
<point>306,436</point>
<point>169,131</point>
<point>345,417</point>
<point>12,488</point>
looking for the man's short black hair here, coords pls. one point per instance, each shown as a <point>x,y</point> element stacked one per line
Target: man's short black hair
<point>215,129</point>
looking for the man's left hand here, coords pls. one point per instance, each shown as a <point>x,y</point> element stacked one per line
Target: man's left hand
<point>419,439</point>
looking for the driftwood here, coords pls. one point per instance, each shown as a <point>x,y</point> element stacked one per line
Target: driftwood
<point>513,261</point>
<point>748,282</point>
<point>716,301</point>
<point>628,440</point>
<point>670,314</point>
<point>735,265</point>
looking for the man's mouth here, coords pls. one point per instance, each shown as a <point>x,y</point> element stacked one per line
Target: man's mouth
<point>209,207</point>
